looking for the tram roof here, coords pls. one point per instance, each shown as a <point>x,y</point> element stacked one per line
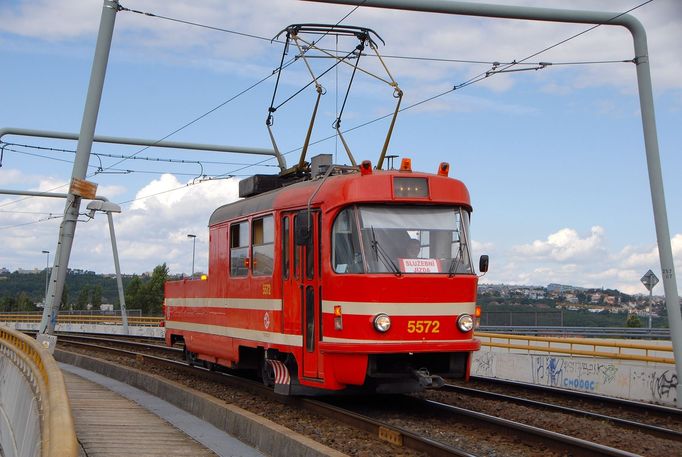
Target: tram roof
<point>341,190</point>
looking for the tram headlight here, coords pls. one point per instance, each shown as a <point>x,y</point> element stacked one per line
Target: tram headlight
<point>465,322</point>
<point>382,322</point>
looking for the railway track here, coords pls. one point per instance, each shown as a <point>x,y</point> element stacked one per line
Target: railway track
<point>657,430</point>
<point>574,396</point>
<point>404,432</point>
<point>381,431</point>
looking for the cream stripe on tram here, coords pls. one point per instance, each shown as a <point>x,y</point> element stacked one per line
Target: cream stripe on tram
<point>400,309</point>
<point>264,304</point>
<point>232,332</point>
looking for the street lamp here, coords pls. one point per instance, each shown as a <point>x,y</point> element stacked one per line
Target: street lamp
<point>108,207</point>
<point>194,245</point>
<point>47,273</point>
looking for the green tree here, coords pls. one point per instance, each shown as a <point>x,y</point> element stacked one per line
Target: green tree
<point>147,295</point>
<point>96,300</point>
<point>65,298</point>
<point>83,298</point>
<point>8,304</point>
<point>133,293</point>
<point>633,321</point>
<point>153,290</point>
<point>24,302</point>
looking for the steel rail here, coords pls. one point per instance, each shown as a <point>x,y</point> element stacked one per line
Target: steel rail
<point>383,431</point>
<point>572,393</point>
<point>132,344</point>
<point>660,431</point>
<point>555,437</point>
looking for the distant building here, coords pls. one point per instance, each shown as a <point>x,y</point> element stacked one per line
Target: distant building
<point>536,294</point>
<point>106,307</point>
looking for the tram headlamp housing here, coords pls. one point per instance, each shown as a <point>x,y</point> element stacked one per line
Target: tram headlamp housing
<point>382,323</point>
<point>465,323</point>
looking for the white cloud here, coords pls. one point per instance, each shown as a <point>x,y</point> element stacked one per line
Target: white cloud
<point>567,258</point>
<point>43,19</point>
<point>154,229</point>
<point>564,245</point>
<point>151,231</point>
<point>419,34</point>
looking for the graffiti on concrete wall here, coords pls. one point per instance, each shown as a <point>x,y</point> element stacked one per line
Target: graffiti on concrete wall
<point>654,384</point>
<point>547,370</point>
<point>483,363</point>
<point>661,383</point>
<point>572,374</point>
<point>664,385</point>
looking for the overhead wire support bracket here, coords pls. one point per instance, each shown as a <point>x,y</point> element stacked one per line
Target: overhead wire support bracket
<point>539,66</point>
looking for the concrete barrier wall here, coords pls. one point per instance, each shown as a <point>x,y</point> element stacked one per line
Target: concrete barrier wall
<point>156,332</point>
<point>651,383</point>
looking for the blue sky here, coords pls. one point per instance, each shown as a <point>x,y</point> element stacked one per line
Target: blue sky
<point>554,158</point>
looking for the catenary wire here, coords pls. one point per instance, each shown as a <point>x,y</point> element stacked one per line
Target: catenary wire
<point>471,81</point>
<point>291,61</point>
<point>466,83</point>
<point>386,56</point>
<point>121,156</point>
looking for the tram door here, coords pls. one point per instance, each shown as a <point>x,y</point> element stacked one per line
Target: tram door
<point>307,264</point>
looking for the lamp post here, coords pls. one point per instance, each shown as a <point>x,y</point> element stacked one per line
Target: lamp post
<point>194,245</point>
<point>47,274</point>
<point>108,207</point>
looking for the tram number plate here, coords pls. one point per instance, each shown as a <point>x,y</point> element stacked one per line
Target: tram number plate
<point>423,326</point>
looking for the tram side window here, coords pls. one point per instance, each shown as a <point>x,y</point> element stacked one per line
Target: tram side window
<point>239,249</point>
<point>263,246</point>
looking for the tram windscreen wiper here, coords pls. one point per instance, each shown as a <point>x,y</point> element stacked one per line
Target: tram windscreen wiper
<point>455,264</point>
<point>380,254</point>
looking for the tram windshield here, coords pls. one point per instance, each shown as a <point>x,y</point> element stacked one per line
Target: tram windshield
<point>401,240</point>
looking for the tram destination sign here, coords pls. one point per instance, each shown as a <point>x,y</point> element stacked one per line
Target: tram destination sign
<point>649,280</point>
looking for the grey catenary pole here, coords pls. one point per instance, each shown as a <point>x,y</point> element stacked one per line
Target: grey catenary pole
<point>646,102</point>
<point>67,228</point>
<point>86,137</point>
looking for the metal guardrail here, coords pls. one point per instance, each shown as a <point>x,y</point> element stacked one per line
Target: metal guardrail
<point>58,435</point>
<point>592,332</point>
<point>558,345</point>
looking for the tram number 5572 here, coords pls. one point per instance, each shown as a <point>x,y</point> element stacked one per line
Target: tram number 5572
<point>423,326</point>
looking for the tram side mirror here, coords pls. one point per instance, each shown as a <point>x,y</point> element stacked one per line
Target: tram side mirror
<point>302,231</point>
<point>483,264</point>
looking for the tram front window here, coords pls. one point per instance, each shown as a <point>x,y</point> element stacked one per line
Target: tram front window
<point>401,240</point>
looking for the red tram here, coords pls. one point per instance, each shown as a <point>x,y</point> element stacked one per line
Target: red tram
<point>358,280</point>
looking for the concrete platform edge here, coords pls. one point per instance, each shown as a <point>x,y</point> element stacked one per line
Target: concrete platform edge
<point>263,434</point>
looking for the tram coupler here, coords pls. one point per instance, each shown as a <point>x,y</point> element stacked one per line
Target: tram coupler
<point>426,380</point>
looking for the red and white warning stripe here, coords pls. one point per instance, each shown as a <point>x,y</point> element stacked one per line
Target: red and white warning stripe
<point>281,372</point>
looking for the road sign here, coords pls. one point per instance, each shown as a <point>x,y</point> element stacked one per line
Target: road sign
<point>649,280</point>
